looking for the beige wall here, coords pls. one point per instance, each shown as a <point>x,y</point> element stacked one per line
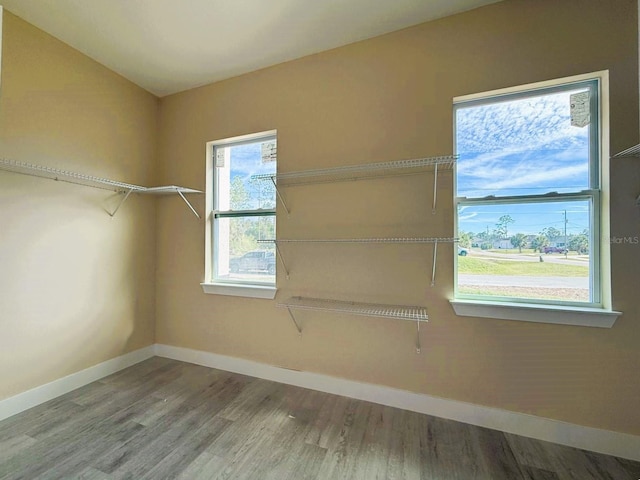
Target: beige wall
<point>77,287</point>
<point>389,98</point>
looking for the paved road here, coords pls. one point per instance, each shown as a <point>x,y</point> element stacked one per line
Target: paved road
<point>524,281</point>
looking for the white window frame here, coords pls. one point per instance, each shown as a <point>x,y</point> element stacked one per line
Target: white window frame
<point>599,313</point>
<point>210,284</point>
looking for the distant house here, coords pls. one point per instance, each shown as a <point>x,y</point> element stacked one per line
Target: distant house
<point>558,242</point>
<point>502,243</point>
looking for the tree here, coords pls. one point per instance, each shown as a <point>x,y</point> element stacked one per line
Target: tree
<point>519,240</point>
<point>579,243</point>
<point>551,233</point>
<point>482,235</point>
<point>485,239</point>
<point>244,232</point>
<point>539,243</point>
<point>465,239</point>
<point>502,227</point>
<point>238,194</point>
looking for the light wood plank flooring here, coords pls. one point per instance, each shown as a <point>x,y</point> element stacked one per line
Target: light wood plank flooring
<point>165,419</point>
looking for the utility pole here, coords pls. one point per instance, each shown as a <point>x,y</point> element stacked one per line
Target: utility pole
<point>566,244</point>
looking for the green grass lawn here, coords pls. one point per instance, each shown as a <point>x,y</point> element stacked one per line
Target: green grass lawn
<point>511,250</point>
<point>492,266</point>
<point>525,251</point>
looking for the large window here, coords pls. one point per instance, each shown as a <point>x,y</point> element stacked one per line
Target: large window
<point>528,183</point>
<point>242,211</point>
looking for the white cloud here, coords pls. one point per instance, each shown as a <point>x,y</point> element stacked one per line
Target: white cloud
<point>523,143</point>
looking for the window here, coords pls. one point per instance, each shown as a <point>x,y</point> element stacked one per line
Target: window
<point>241,216</point>
<point>529,189</point>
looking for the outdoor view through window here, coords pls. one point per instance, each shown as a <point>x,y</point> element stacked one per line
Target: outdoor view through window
<point>527,195</point>
<point>244,212</point>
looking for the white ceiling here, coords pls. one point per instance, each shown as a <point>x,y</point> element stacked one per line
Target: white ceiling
<point>167,46</point>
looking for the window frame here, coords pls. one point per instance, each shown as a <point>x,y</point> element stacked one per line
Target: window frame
<point>213,284</point>
<point>597,312</point>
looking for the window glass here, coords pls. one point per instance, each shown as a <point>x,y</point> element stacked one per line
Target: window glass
<point>522,146</point>
<point>244,213</point>
<point>526,250</point>
<point>528,196</point>
<point>236,165</point>
<point>244,258</point>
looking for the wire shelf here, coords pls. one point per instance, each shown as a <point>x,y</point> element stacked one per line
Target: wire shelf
<point>354,172</point>
<point>367,240</point>
<point>402,312</point>
<point>629,152</point>
<point>391,240</point>
<point>67,176</point>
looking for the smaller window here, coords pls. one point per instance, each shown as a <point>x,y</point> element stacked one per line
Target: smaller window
<point>242,211</point>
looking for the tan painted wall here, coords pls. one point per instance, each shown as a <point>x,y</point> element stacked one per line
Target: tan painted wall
<point>390,98</point>
<point>77,287</point>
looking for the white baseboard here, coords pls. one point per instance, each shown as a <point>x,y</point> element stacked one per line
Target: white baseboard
<point>578,436</point>
<point>25,400</point>
<point>586,438</point>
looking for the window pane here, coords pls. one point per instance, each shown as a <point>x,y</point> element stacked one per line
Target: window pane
<point>235,165</point>
<point>523,145</point>
<point>239,257</point>
<point>529,250</point>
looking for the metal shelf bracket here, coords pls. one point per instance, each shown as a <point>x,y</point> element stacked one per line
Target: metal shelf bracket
<point>433,267</point>
<point>435,188</point>
<point>188,203</point>
<point>293,319</point>
<point>124,199</point>
<point>280,197</point>
<point>284,265</point>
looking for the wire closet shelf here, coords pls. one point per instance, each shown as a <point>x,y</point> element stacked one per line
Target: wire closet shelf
<point>403,312</point>
<point>358,308</point>
<point>389,240</point>
<point>629,152</point>
<point>360,172</point>
<point>76,178</point>
<point>355,172</point>
<point>366,240</point>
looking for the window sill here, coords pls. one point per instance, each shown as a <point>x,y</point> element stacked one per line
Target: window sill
<point>527,312</point>
<point>236,290</point>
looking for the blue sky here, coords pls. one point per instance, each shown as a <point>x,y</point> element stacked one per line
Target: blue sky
<point>529,219</point>
<point>246,161</point>
<point>523,146</point>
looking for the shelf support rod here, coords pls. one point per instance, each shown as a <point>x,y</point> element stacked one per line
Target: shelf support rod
<point>418,348</point>
<point>293,318</point>
<point>124,199</point>
<point>188,203</point>
<point>284,265</point>
<point>435,188</point>
<point>435,257</point>
<point>284,204</point>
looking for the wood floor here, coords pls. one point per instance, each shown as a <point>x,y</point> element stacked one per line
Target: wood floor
<point>165,419</point>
